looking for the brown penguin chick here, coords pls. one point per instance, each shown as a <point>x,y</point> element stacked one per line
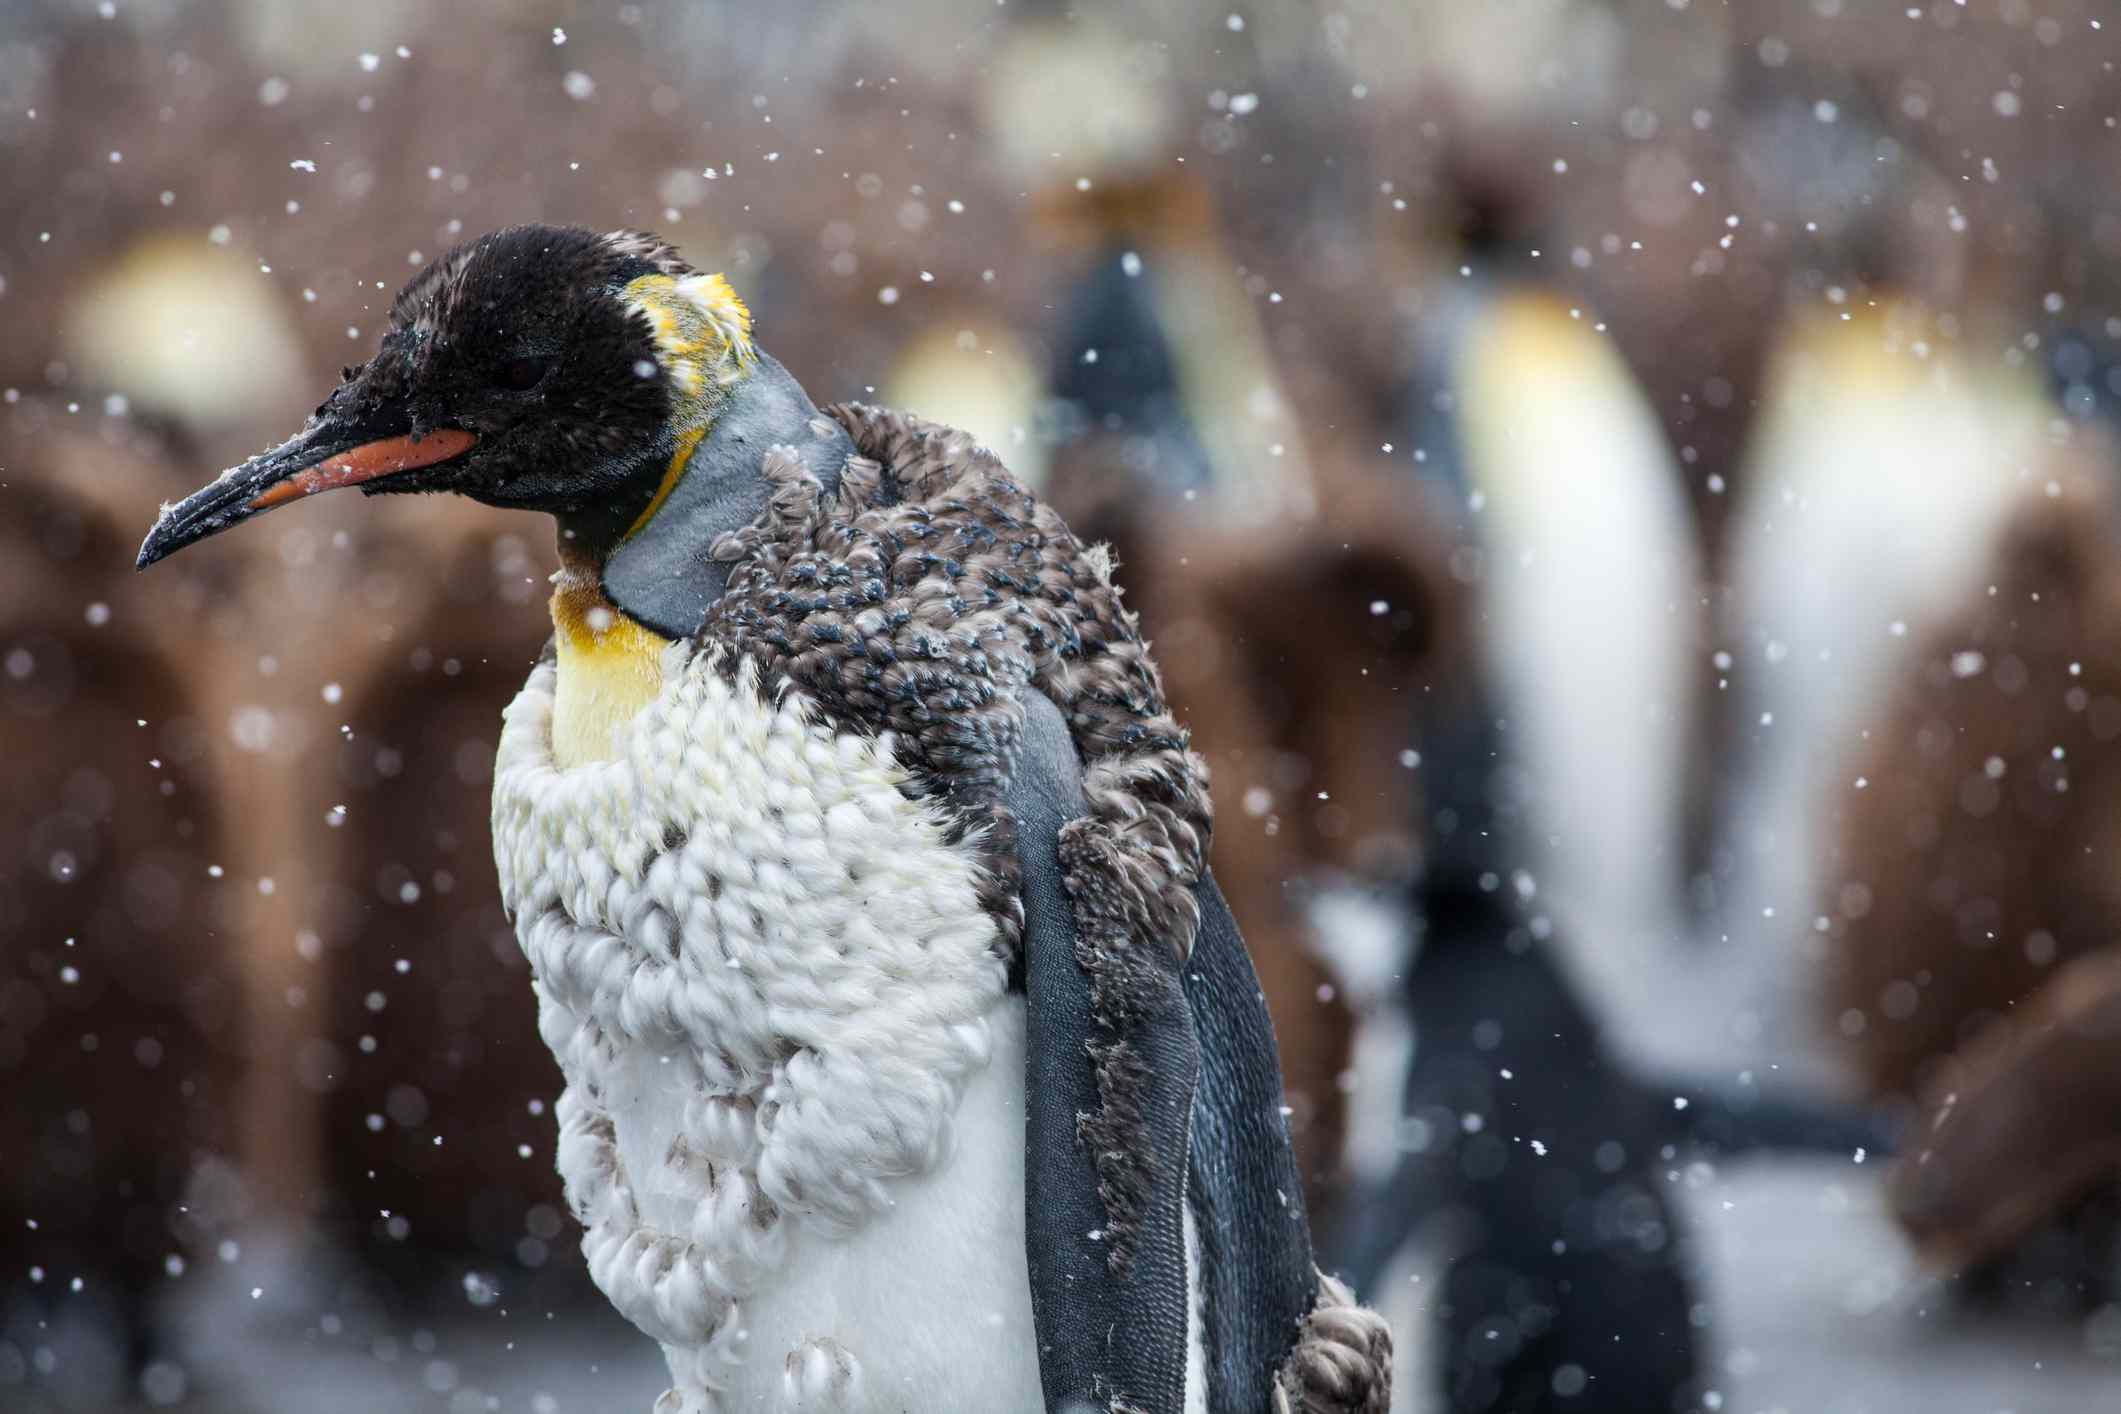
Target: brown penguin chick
<point>1349,629</point>
<point>1303,697</point>
<point>1977,824</point>
<point>123,991</point>
<point>257,972</point>
<point>1972,911</point>
<point>2022,1122</point>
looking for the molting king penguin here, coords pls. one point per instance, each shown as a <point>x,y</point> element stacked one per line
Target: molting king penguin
<point>912,1056</point>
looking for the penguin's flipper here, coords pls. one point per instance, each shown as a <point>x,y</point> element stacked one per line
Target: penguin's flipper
<point>1125,1142</point>
<point>1732,1121</point>
<point>1257,1279</point>
<point>1106,1127</point>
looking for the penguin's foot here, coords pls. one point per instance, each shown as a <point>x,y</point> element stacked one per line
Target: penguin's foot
<point>821,1378</point>
<point>1342,1363</point>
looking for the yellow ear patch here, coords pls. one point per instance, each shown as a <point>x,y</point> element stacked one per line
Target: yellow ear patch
<point>729,316</point>
<point>703,344</point>
<point>702,330</point>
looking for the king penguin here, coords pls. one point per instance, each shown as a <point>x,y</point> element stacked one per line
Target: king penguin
<point>913,1059</point>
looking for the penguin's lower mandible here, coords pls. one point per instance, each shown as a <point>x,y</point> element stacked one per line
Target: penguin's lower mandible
<point>913,1060</point>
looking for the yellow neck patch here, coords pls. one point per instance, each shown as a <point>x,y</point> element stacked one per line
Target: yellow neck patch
<point>610,667</point>
<point>688,443</point>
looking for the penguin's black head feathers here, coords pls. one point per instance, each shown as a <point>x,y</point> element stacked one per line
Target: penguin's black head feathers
<point>538,367</point>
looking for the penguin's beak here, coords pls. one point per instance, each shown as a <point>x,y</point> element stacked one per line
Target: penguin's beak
<point>333,451</point>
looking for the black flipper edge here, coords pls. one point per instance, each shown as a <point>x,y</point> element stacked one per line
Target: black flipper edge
<point>1110,1333</point>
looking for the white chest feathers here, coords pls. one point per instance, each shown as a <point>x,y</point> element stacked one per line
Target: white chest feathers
<point>793,1119</point>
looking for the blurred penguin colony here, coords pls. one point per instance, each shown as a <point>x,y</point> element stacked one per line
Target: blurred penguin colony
<point>1624,495</point>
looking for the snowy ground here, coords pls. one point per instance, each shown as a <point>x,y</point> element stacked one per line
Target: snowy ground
<point>1822,1312</point>
<point>455,1363</point>
<point>303,1329</point>
<point>1818,1311</point>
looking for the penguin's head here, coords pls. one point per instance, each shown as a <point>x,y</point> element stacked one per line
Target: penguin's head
<point>540,368</point>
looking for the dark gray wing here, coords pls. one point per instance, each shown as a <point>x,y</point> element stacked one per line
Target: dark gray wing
<point>1107,1332</point>
<point>1102,1334</point>
<point>1257,1277</point>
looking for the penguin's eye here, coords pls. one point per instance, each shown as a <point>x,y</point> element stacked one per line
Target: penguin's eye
<point>520,375</point>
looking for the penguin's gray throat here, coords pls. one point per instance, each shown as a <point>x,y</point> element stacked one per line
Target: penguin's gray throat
<point>662,576</point>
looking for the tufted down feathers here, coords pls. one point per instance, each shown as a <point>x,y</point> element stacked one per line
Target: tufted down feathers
<point>767,974</point>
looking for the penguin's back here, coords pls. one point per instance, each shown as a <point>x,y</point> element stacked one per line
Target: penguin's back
<point>792,1126</point>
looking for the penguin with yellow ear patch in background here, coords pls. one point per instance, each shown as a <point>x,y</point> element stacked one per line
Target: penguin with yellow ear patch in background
<point>1525,1177</point>
<point>1887,457</point>
<point>912,1057</point>
<point>1132,469</point>
<point>1535,1127</point>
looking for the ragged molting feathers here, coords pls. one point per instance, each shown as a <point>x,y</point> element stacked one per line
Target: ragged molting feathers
<point>932,564</point>
<point>772,985</point>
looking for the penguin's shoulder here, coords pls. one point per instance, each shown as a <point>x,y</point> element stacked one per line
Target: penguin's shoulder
<point>922,598</point>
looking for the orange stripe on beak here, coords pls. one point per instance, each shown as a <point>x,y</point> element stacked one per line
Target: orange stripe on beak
<point>366,463</point>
